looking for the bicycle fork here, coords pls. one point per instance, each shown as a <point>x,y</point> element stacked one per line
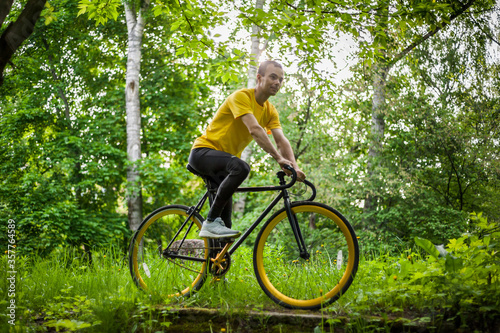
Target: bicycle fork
<point>294,224</point>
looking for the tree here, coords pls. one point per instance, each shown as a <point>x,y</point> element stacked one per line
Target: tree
<point>255,53</point>
<point>135,27</point>
<point>460,120</point>
<point>381,69</point>
<point>17,31</point>
<point>59,165</point>
<point>439,158</point>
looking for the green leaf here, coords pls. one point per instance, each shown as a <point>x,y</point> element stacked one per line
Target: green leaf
<point>157,10</point>
<point>82,10</point>
<point>453,264</point>
<point>114,13</point>
<point>427,246</point>
<point>175,25</point>
<point>346,17</point>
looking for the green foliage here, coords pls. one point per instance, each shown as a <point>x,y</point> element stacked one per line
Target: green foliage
<point>458,289</point>
<point>427,246</point>
<point>469,274</point>
<point>63,155</point>
<point>452,287</point>
<point>188,23</point>
<point>58,315</point>
<point>101,11</point>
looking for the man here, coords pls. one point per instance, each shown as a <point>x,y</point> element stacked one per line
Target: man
<point>241,118</point>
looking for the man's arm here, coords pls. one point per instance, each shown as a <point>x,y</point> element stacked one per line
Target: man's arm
<point>260,136</point>
<point>286,150</point>
<point>283,155</point>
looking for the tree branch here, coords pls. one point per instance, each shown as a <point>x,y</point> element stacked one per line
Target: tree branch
<point>431,33</point>
<point>141,19</point>
<point>130,16</point>
<point>485,32</point>
<point>194,34</point>
<point>5,7</point>
<point>17,32</point>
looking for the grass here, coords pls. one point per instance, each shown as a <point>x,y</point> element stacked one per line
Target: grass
<point>63,293</point>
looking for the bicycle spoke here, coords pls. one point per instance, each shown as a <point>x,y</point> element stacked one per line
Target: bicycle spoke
<point>169,276</point>
<point>293,281</point>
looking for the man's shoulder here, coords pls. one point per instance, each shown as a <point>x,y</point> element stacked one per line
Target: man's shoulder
<point>241,99</point>
<point>243,93</point>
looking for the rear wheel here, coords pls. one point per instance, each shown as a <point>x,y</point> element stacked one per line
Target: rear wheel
<point>166,256</point>
<point>309,280</point>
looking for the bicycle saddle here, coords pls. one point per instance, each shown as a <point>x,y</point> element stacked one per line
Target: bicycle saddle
<point>193,171</point>
<point>207,179</point>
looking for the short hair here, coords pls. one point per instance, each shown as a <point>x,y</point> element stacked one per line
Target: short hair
<point>263,66</point>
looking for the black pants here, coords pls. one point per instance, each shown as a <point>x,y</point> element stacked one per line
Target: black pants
<point>227,171</point>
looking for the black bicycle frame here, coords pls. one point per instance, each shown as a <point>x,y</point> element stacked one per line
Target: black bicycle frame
<point>283,195</point>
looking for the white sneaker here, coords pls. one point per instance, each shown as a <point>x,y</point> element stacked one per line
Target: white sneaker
<point>217,229</point>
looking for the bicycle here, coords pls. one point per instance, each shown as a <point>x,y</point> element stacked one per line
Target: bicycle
<point>294,267</point>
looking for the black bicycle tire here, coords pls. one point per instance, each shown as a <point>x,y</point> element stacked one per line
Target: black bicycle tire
<point>144,223</point>
<point>258,266</point>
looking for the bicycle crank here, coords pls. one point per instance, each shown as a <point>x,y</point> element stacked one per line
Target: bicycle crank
<point>220,265</point>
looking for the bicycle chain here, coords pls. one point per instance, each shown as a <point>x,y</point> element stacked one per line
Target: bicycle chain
<point>227,258</point>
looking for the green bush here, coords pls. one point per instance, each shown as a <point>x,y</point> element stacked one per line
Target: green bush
<point>467,273</point>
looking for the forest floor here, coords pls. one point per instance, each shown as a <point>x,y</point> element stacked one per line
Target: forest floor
<point>213,320</point>
<point>205,320</point>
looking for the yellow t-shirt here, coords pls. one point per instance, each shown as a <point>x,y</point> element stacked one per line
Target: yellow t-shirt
<point>227,132</point>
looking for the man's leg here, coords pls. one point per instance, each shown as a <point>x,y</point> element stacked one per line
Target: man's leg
<point>227,213</point>
<point>228,171</point>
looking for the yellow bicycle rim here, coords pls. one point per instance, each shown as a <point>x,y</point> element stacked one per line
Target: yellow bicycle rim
<point>305,303</point>
<point>142,231</point>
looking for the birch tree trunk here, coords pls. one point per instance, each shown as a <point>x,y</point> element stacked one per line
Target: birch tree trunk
<point>379,75</point>
<point>377,135</point>
<point>256,51</point>
<point>135,27</point>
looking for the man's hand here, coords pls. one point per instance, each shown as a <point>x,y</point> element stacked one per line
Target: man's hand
<point>284,162</point>
<point>301,176</point>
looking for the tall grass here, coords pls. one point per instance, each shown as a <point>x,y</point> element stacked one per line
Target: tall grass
<point>65,287</point>
<point>64,292</point>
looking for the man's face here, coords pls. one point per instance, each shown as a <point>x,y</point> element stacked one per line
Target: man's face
<point>272,80</point>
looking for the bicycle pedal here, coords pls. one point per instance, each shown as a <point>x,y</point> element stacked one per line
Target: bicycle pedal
<point>227,240</point>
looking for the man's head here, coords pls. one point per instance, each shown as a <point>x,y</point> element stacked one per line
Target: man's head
<point>263,66</point>
<point>270,77</point>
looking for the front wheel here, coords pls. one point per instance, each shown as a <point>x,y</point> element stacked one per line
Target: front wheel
<point>313,279</point>
<point>166,257</point>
